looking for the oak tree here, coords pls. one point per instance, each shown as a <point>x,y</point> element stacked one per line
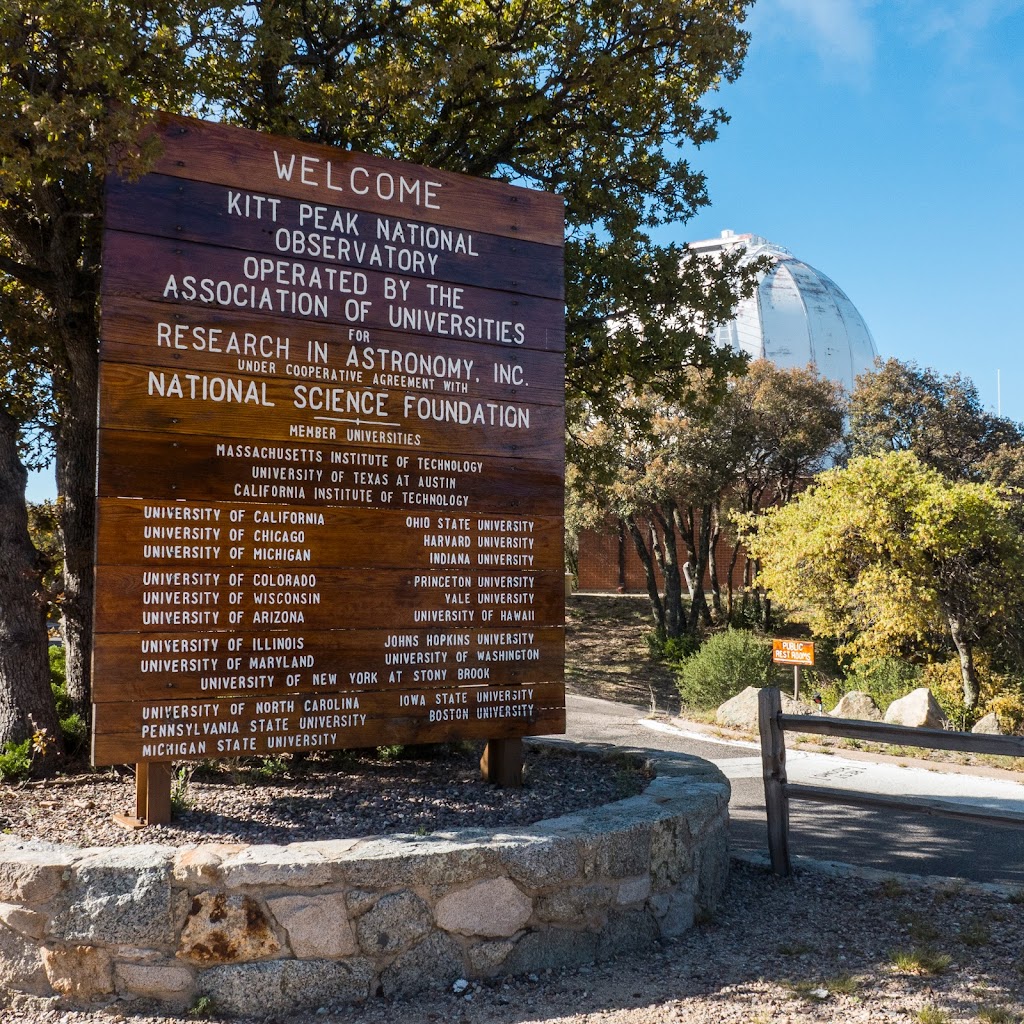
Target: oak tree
<point>603,101</point>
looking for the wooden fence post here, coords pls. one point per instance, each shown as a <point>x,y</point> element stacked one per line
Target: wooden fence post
<point>773,762</point>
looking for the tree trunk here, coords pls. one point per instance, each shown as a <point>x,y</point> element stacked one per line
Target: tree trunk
<point>657,608</point>
<point>730,592</point>
<point>669,564</point>
<point>76,481</point>
<point>26,700</point>
<point>699,605</point>
<point>716,585</point>
<point>968,672</point>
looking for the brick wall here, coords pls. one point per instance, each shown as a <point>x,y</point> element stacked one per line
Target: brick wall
<point>608,563</point>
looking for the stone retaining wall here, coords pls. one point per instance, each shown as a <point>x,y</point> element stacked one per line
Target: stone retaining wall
<point>266,928</point>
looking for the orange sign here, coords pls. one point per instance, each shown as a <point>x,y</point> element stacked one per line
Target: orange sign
<point>793,652</point>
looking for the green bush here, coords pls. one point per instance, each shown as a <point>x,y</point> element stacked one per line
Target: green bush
<point>72,726</point>
<point>726,663</point>
<point>16,761</point>
<point>673,649</point>
<point>886,679</point>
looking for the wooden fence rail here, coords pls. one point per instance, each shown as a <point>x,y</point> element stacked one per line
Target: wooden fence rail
<point>778,791</point>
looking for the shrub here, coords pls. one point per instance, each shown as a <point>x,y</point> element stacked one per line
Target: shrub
<point>72,726</point>
<point>16,761</point>
<point>673,649</point>
<point>726,663</point>
<point>886,679</point>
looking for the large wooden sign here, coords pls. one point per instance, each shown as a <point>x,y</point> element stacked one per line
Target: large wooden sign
<point>331,455</point>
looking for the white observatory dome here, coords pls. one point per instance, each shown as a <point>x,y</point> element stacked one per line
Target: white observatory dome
<point>796,315</point>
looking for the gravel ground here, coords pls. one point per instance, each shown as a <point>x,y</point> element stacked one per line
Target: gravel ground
<point>281,800</point>
<point>810,949</point>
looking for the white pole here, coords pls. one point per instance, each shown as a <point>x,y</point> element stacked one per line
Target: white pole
<point>999,393</point>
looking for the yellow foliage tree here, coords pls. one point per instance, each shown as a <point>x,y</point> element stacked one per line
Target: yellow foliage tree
<point>887,552</point>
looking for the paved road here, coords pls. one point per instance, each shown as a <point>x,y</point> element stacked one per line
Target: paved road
<point>913,843</point>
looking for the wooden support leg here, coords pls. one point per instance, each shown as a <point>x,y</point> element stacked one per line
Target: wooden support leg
<point>152,796</point>
<point>502,762</point>
<point>773,762</point>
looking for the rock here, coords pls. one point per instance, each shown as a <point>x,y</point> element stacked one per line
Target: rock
<point>553,948</point>
<point>284,986</point>
<point>200,865</point>
<point>580,905</point>
<point>539,861</point>
<point>634,890</point>
<point>857,704</point>
<point>918,709</point>
<point>33,872</point>
<point>223,929</point>
<point>989,725</point>
<point>740,712</point>
<point>121,896</point>
<point>395,922</point>
<point>22,920</point>
<point>486,957</point>
<point>493,909</point>
<point>296,865</point>
<point>434,962</point>
<point>20,967</point>
<point>626,931</point>
<point>678,916</point>
<point>168,982</point>
<point>318,927</point>
<point>79,973</point>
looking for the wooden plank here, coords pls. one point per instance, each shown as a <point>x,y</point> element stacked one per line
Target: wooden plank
<point>266,379</point>
<point>206,151</point>
<point>137,599</point>
<point>773,761</point>
<point>904,735</point>
<point>201,277</point>
<point>922,805</point>
<point>192,664</point>
<point>502,763</point>
<point>234,468</point>
<point>155,334</point>
<point>195,211</point>
<point>155,533</point>
<point>172,402</point>
<point>122,732</point>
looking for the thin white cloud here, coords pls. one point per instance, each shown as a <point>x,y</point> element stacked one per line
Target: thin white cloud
<point>840,31</point>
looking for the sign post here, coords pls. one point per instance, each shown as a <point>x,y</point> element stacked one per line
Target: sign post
<point>796,653</point>
<point>331,457</point>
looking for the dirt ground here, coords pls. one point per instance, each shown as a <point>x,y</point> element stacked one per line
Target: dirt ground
<point>814,949</point>
<point>607,655</point>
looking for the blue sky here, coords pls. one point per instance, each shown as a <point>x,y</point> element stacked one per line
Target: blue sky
<point>882,141</point>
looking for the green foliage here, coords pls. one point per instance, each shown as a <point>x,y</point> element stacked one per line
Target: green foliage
<point>886,679</point>
<point>270,767</point>
<point>204,1006</point>
<point>930,1014</point>
<point>73,726</point>
<point>181,782</point>
<point>16,761</point>
<point>921,960</point>
<point>903,407</point>
<point>726,663</point>
<point>673,649</point>
<point>997,1015</point>
<point>602,103</point>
